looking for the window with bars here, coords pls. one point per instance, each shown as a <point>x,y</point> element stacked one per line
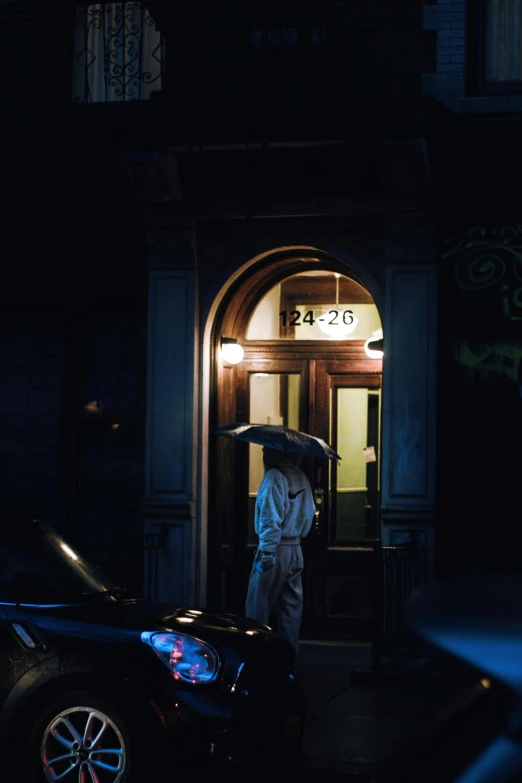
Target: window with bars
<point>503,43</point>
<point>118,55</point>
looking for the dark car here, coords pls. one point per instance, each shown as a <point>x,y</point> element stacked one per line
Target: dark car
<point>97,684</point>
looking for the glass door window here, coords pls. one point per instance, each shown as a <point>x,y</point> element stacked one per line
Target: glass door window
<point>354,482</point>
<point>315,306</point>
<point>274,399</point>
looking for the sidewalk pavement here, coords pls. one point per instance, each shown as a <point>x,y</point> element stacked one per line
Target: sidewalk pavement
<point>364,729</point>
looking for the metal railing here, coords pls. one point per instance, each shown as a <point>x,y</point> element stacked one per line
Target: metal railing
<point>153,543</point>
<point>398,573</point>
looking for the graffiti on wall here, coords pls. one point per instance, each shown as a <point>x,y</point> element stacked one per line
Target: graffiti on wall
<point>491,260</point>
<point>490,359</point>
<point>487,258</point>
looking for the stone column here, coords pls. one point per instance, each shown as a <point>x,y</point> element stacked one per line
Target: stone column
<point>409,404</point>
<point>170,443</point>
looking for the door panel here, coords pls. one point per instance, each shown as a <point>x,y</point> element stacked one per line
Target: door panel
<point>274,398</point>
<point>355,481</point>
<point>265,388</point>
<point>339,564</point>
<point>346,413</point>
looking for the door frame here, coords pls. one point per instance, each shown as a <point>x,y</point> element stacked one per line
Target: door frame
<point>231,313</point>
<point>276,356</point>
<point>341,375</point>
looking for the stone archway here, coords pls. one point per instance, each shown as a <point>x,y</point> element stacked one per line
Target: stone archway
<point>229,278</point>
<point>237,301</point>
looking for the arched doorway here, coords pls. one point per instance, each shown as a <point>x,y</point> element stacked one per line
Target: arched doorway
<point>302,321</point>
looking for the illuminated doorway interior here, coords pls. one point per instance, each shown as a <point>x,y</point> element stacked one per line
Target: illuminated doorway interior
<point>314,306</point>
<point>305,366</point>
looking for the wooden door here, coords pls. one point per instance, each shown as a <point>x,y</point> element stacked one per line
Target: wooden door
<point>295,386</point>
<point>270,391</point>
<point>338,575</point>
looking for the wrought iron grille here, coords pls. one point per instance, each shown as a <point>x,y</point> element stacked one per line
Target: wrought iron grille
<point>118,55</point>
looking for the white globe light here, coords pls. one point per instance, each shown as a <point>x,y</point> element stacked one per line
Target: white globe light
<point>233,353</point>
<point>337,330</point>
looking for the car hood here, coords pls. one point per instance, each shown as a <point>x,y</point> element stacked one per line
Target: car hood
<point>108,620</point>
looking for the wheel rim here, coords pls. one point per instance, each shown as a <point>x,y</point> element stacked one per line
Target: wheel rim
<point>83,745</point>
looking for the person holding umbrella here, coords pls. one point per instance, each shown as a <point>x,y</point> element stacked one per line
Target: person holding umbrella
<point>284,514</point>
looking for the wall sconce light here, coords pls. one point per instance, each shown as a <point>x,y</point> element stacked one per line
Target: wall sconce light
<point>232,352</point>
<point>374,345</point>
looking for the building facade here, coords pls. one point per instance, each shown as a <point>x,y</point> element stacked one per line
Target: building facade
<point>180,173</point>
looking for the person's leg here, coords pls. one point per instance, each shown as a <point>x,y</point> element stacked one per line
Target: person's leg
<point>263,591</point>
<point>291,598</point>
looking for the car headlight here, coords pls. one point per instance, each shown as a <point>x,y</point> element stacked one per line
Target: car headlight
<point>188,658</point>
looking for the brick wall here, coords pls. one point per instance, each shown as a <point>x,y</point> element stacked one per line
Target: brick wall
<point>373,49</point>
<point>385,49</point>
<point>98,494</point>
<point>30,414</point>
<point>376,47</point>
<point>25,65</point>
<point>108,419</point>
<point>448,19</point>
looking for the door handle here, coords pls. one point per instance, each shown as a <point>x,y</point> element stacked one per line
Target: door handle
<point>27,638</point>
<point>319,503</point>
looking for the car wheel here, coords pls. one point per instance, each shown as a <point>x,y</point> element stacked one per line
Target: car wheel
<point>81,738</point>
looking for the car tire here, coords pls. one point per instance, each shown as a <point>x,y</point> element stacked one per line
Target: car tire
<point>83,727</point>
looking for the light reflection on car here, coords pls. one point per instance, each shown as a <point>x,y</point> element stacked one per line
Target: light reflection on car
<point>96,681</point>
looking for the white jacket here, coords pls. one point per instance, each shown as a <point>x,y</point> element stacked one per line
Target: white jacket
<point>284,507</point>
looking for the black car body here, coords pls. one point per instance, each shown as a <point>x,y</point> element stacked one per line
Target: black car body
<point>92,678</point>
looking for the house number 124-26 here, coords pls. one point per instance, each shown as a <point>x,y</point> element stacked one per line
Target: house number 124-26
<point>332,317</point>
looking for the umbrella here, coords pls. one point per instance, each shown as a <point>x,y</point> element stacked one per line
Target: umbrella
<point>275,436</point>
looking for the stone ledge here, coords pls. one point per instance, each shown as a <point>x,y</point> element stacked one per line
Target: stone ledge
<point>494,104</point>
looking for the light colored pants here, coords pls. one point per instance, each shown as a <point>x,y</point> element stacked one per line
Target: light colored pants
<point>279,590</point>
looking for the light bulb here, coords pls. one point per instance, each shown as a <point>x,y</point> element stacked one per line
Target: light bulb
<point>377,337</point>
<point>233,353</point>
<point>337,330</point>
